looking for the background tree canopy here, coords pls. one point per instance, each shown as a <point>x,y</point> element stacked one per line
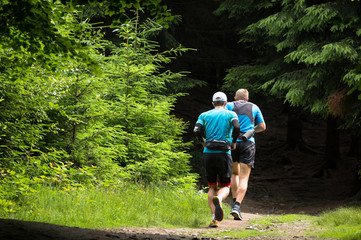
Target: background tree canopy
<point>306,53</point>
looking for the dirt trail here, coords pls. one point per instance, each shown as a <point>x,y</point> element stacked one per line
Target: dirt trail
<point>22,230</point>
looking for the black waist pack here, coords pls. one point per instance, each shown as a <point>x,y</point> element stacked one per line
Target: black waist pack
<point>218,145</point>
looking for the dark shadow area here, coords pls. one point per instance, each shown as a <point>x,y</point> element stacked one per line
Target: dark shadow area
<point>25,230</point>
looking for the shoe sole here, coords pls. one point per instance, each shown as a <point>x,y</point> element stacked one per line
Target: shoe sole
<point>219,209</point>
<point>236,215</point>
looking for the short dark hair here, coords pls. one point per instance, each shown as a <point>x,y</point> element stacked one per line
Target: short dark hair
<point>218,103</point>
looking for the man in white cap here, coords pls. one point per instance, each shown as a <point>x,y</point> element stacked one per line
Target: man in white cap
<point>218,130</point>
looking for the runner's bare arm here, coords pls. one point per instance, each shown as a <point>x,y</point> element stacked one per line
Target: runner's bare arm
<point>260,127</point>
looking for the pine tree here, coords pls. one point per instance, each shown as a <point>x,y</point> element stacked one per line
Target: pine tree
<point>307,53</point>
<point>148,137</point>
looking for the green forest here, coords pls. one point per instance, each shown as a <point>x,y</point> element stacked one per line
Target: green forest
<point>85,103</point>
<point>87,92</point>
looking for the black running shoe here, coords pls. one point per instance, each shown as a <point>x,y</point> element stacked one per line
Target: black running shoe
<point>236,212</point>
<point>219,209</point>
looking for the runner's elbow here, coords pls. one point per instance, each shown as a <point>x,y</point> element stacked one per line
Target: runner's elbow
<point>261,127</point>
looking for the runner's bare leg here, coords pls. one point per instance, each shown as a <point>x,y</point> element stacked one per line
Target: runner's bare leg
<point>239,183</point>
<point>222,194</point>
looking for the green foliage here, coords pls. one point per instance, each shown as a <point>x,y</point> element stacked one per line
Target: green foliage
<point>21,181</point>
<point>305,53</point>
<point>34,24</point>
<point>14,189</point>
<point>117,9</point>
<point>312,55</point>
<point>150,137</point>
<point>90,113</point>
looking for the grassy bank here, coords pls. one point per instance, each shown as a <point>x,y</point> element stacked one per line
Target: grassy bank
<point>344,223</point>
<point>127,205</point>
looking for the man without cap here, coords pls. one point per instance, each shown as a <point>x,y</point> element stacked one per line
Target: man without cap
<point>250,119</point>
<point>218,130</point>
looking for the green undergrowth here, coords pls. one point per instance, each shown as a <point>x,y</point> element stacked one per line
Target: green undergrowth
<point>126,205</point>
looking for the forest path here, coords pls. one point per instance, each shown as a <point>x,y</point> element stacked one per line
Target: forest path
<point>22,230</point>
<point>226,225</point>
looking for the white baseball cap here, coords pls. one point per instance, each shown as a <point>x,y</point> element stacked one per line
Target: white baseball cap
<point>219,97</point>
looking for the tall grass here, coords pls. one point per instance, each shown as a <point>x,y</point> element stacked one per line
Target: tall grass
<point>127,205</point>
<point>343,223</point>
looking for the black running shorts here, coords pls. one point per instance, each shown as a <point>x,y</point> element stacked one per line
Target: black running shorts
<point>244,153</point>
<point>218,166</point>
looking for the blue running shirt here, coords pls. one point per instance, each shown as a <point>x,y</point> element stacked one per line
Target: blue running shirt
<point>248,114</point>
<point>217,125</point>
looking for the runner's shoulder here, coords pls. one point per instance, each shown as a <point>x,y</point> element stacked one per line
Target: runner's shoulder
<point>232,113</point>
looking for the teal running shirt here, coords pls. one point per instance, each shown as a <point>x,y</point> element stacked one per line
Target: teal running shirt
<point>217,125</point>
